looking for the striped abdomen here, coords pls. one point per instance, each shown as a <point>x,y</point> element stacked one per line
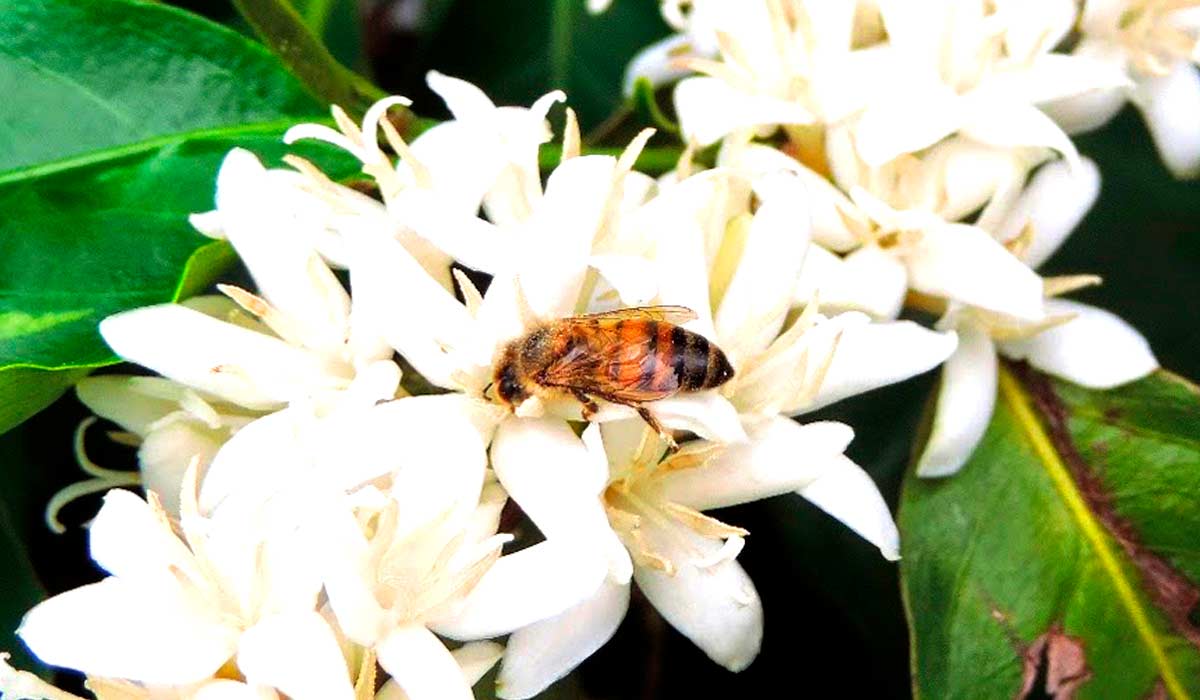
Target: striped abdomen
<point>662,358</point>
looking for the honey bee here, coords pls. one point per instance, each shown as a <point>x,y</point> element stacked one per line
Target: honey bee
<point>628,356</point>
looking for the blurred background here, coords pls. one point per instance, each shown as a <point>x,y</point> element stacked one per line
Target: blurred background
<point>834,618</point>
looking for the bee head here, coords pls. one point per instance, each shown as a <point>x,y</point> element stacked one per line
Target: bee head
<point>509,388</point>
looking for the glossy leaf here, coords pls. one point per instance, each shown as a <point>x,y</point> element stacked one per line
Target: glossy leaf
<point>1064,556</point>
<point>83,75</point>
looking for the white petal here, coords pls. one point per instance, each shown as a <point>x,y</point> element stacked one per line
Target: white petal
<point>908,122</point>
<point>242,366</point>
<point>395,297</point>
<point>964,263</point>
<point>715,606</point>
<point>465,237</point>
<point>475,659</point>
<point>836,222</point>
<point>464,100</point>
<point>1008,125</point>
<point>631,276</point>
<point>522,588</point>
<point>754,305</point>
<point>152,632</point>
<point>868,280</point>
<point>871,355</point>
<point>296,653</point>
<point>1096,349</point>
<point>849,494</point>
<point>710,108</point>
<point>116,398</point>
<point>168,450</point>
<point>225,689</point>
<point>263,228</point>
<point>705,413</point>
<point>545,651</point>
<point>656,62</point>
<point>422,665</point>
<point>548,471</point>
<point>1171,106</point>
<point>129,539</point>
<point>1084,112</point>
<point>965,401</point>
<point>780,456</point>
<point>1054,202</point>
<point>561,232</point>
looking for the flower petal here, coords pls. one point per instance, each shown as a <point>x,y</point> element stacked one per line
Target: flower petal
<point>849,494</point>
<point>868,280</point>
<point>422,666</point>
<point>116,398</point>
<point>714,605</point>
<point>631,276</point>
<point>964,263</point>
<point>1011,125</point>
<point>965,401</point>
<point>520,589</point>
<point>561,231</point>
<point>710,108</point>
<point>1171,106</point>
<point>146,631</point>
<point>168,450</point>
<point>657,63</point>
<point>129,539</point>
<point>908,121</point>
<point>1095,349</point>
<point>545,651</point>
<point>858,365</point>
<point>258,221</point>
<point>296,653</point>
<point>1054,202</point>
<point>549,472</point>
<point>401,303</point>
<point>780,456</point>
<point>754,305</point>
<point>705,413</point>
<point>239,365</point>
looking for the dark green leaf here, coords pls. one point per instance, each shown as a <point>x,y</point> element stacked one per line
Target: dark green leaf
<point>1065,548</point>
<point>517,50</point>
<point>115,226</point>
<point>283,29</point>
<point>83,75</point>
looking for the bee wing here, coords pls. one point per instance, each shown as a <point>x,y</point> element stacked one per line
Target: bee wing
<point>670,314</point>
<point>612,368</point>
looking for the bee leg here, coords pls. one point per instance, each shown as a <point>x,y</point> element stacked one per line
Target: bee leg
<point>589,404</point>
<point>651,421</point>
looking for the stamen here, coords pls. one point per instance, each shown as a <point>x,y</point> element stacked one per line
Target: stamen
<point>1057,286</point>
<point>472,299</point>
<point>630,155</point>
<point>572,142</point>
<point>79,489</point>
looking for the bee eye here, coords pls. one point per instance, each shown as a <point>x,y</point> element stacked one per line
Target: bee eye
<point>508,387</point>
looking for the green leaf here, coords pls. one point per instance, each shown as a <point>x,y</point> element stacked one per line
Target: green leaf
<point>1065,548</point>
<point>115,225</point>
<point>82,75</point>
<point>283,29</point>
<point>545,45</point>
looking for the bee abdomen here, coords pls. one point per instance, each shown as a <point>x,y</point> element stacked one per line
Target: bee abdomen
<point>698,364</point>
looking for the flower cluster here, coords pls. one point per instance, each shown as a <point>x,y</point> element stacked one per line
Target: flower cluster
<point>933,139</point>
<point>325,458</point>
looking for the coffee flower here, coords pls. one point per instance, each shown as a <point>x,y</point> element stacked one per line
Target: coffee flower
<point>1155,42</point>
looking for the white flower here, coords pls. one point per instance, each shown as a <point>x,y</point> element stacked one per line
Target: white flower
<point>1155,43</point>
<point>399,518</point>
<point>616,481</point>
<point>1080,343</point>
<point>174,611</point>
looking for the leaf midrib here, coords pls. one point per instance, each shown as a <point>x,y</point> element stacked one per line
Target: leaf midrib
<point>136,147</point>
<point>1014,395</point>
